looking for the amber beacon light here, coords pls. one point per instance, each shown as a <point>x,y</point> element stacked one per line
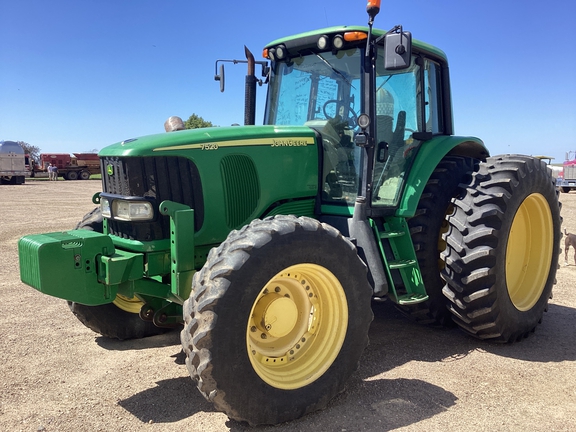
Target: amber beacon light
<point>373,7</point>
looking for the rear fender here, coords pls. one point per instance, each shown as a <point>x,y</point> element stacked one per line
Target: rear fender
<point>429,155</point>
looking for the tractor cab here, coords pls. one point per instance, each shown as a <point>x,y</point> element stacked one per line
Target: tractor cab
<point>328,78</point>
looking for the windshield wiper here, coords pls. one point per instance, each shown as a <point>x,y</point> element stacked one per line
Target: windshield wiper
<point>327,63</point>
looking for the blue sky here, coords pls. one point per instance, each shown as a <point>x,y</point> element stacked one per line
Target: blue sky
<point>78,75</point>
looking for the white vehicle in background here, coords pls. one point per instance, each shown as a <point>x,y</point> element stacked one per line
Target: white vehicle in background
<point>12,163</point>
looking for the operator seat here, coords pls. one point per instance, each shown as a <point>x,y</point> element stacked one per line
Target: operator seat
<point>384,132</point>
<point>389,174</point>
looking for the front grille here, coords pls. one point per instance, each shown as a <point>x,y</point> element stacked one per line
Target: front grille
<point>158,178</point>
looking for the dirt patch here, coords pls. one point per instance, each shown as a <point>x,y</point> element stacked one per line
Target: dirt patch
<point>57,375</point>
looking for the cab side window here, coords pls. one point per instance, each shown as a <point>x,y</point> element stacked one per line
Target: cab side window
<point>433,97</point>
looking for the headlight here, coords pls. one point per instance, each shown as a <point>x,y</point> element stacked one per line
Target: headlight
<point>338,42</point>
<point>132,210</point>
<point>105,207</point>
<point>322,42</point>
<point>126,210</point>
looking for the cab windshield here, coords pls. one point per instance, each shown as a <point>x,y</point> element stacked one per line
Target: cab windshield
<point>324,91</point>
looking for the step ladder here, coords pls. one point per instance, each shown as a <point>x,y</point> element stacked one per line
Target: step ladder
<point>399,258</point>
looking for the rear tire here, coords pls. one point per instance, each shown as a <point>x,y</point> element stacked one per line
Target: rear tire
<point>84,175</point>
<point>426,229</point>
<point>72,175</point>
<point>117,320</point>
<point>502,249</point>
<point>277,320</point>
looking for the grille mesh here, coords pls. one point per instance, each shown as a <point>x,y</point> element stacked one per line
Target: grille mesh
<point>159,178</point>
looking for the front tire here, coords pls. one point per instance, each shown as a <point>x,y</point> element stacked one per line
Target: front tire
<point>119,319</point>
<point>92,221</point>
<point>277,320</point>
<point>502,249</point>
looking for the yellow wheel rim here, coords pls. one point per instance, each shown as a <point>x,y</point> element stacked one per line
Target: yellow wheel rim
<point>297,326</point>
<point>132,305</point>
<point>529,252</point>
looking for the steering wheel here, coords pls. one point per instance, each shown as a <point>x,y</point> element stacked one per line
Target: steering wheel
<point>349,114</point>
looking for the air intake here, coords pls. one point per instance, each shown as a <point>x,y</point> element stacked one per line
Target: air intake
<point>241,188</point>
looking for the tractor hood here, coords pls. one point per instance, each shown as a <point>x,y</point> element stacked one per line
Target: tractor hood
<point>212,139</point>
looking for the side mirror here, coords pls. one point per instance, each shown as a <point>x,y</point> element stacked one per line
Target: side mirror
<point>220,77</point>
<point>397,50</point>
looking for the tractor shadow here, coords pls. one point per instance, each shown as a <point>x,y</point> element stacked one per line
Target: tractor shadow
<point>370,402</point>
<point>396,340</point>
<point>170,401</point>
<point>554,339</point>
<point>171,337</point>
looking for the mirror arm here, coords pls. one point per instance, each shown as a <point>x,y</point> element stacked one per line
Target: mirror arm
<point>220,76</point>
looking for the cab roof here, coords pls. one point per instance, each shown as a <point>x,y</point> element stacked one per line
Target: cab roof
<point>309,39</point>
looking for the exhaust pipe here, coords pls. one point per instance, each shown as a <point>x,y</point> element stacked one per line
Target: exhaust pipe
<point>250,90</point>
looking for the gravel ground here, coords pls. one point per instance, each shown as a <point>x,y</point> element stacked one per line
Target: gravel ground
<point>57,375</point>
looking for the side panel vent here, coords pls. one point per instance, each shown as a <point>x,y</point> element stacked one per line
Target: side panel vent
<point>241,188</point>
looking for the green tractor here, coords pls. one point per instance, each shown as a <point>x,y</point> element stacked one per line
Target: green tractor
<point>269,243</point>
